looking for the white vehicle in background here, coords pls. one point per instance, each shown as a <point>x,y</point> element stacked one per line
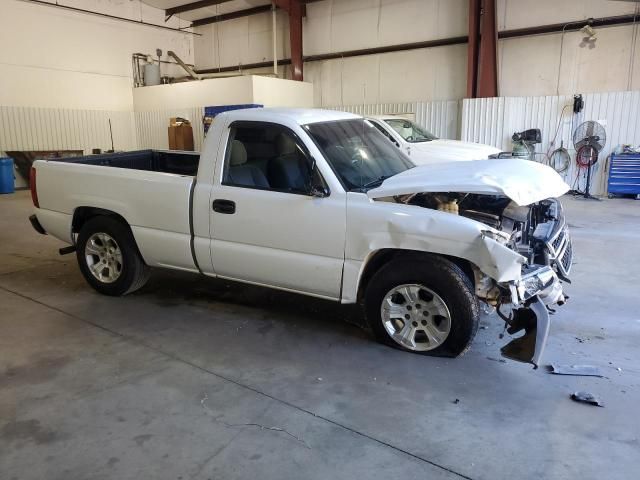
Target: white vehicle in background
<point>425,148</point>
<point>319,203</point>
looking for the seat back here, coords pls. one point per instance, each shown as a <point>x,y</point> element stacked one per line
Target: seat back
<point>289,170</point>
<point>242,174</point>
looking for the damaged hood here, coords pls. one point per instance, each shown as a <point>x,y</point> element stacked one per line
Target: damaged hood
<point>440,150</point>
<point>523,181</point>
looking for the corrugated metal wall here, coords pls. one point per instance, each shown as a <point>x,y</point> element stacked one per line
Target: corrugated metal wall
<point>23,128</point>
<point>151,127</point>
<point>440,117</point>
<point>491,121</point>
<point>494,120</point>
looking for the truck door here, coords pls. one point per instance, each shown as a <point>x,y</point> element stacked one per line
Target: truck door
<point>266,226</point>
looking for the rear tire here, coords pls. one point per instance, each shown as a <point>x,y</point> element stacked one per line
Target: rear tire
<point>109,258</point>
<point>424,305</point>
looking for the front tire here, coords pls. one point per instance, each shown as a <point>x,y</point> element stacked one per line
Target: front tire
<point>423,305</point>
<point>108,257</point>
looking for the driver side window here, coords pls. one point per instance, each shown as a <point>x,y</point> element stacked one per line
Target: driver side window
<point>266,156</point>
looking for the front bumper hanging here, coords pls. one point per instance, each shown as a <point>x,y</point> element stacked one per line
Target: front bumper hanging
<point>534,320</point>
<point>530,296</point>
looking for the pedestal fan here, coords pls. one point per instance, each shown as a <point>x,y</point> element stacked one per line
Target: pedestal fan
<point>588,139</point>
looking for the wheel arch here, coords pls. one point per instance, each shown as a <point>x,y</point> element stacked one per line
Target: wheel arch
<point>377,259</point>
<point>81,215</point>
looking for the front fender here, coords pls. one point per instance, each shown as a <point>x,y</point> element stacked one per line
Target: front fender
<point>376,225</point>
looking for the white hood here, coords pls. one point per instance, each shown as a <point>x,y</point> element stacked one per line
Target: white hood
<point>523,181</point>
<point>437,151</point>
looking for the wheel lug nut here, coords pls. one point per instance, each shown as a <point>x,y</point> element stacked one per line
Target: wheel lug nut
<point>408,307</point>
<point>424,322</point>
<point>417,305</point>
<point>407,316</point>
<point>415,324</point>
<point>425,313</point>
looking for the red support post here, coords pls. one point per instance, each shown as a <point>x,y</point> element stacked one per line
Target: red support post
<point>488,55</point>
<point>482,57</point>
<point>472,52</point>
<point>295,9</point>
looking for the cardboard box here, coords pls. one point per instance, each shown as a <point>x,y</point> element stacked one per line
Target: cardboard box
<point>181,137</point>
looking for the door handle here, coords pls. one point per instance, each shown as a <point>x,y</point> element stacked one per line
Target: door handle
<point>224,206</point>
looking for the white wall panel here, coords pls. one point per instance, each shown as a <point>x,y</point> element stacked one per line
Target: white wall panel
<point>440,118</point>
<point>494,120</point>
<point>24,128</point>
<point>151,127</point>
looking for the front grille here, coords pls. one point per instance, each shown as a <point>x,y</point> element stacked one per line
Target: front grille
<point>561,252</point>
<point>558,241</point>
<point>567,258</point>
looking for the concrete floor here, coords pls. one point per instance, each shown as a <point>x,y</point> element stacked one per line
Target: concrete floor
<point>204,379</point>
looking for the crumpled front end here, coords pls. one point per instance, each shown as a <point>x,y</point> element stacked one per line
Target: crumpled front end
<point>542,238</point>
<point>519,260</point>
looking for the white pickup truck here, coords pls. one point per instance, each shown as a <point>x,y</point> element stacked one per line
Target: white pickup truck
<point>424,148</point>
<point>320,203</point>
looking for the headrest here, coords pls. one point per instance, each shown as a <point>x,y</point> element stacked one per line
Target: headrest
<point>285,144</point>
<point>238,153</point>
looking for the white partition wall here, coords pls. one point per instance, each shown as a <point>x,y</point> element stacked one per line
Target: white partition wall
<point>24,128</point>
<point>151,127</point>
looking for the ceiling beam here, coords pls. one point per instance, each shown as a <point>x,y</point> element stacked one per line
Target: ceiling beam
<point>187,7</point>
<point>230,16</point>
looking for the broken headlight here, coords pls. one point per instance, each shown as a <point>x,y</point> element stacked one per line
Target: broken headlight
<point>500,237</point>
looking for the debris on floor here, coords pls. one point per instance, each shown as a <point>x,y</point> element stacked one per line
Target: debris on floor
<point>577,370</point>
<point>493,359</point>
<point>456,401</point>
<point>586,397</point>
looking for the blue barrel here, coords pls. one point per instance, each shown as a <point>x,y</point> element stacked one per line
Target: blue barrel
<point>6,175</point>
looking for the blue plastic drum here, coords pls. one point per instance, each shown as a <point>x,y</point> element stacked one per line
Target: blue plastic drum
<point>6,175</point>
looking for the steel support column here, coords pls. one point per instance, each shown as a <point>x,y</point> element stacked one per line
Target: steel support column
<point>295,9</point>
<point>472,51</point>
<point>482,63</point>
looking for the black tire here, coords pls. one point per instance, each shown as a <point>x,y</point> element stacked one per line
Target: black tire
<point>442,277</point>
<point>134,273</point>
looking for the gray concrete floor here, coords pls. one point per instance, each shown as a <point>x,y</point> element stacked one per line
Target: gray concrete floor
<point>204,379</point>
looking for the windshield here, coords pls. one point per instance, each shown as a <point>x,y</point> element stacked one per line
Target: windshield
<point>358,153</point>
<point>411,132</point>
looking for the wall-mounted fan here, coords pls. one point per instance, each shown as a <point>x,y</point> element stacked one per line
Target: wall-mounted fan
<point>588,139</point>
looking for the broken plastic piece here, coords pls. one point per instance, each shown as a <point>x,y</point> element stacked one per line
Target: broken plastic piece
<point>586,397</point>
<point>528,348</point>
<point>578,370</point>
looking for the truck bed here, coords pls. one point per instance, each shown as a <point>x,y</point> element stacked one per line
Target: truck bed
<point>151,190</point>
<point>179,163</point>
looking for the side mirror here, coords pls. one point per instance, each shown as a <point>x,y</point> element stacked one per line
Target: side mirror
<point>319,191</point>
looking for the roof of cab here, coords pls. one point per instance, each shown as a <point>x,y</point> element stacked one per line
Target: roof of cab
<point>385,117</point>
<point>302,116</point>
